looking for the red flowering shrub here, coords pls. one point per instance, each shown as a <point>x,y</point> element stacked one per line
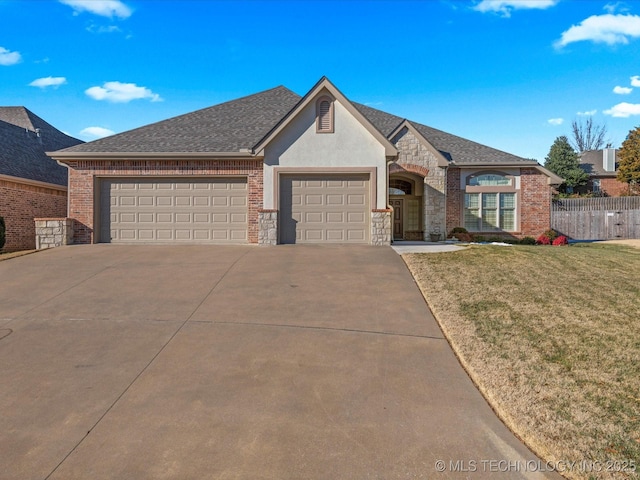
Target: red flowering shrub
<point>561,240</point>
<point>543,240</point>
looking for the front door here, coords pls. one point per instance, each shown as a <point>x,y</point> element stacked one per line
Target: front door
<point>397,219</point>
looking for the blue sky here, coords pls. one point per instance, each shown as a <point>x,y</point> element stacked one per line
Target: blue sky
<point>511,74</point>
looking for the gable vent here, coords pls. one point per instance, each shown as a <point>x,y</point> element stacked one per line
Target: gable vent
<point>324,113</point>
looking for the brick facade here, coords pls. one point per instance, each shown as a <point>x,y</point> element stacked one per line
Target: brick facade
<point>534,202</point>
<point>83,175</point>
<point>612,187</point>
<point>535,208</point>
<point>20,203</point>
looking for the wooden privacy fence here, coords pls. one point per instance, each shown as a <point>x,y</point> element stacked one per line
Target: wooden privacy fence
<point>601,218</point>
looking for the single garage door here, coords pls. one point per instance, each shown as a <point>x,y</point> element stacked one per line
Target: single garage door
<point>324,208</point>
<point>173,210</point>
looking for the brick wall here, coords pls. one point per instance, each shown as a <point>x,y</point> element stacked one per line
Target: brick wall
<point>454,200</point>
<point>83,173</point>
<point>20,204</point>
<point>535,209</point>
<point>535,202</point>
<point>613,188</point>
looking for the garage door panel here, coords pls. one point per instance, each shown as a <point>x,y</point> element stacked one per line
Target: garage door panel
<point>205,210</point>
<point>324,208</point>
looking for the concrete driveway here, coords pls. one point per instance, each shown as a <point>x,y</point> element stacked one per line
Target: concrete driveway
<point>292,362</point>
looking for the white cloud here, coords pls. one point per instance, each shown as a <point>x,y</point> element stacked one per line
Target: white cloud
<point>622,90</point>
<point>616,7</point>
<point>609,29</point>
<point>9,58</point>
<point>635,81</point>
<point>555,121</point>
<point>504,7</point>
<point>48,82</point>
<point>104,8</point>
<point>118,92</point>
<point>624,110</point>
<point>96,132</point>
<point>587,113</point>
<point>93,28</point>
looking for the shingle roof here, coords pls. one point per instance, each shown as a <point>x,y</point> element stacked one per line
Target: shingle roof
<point>591,162</point>
<point>227,127</point>
<point>24,139</point>
<point>242,123</point>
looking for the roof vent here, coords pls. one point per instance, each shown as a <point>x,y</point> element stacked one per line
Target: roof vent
<point>609,159</point>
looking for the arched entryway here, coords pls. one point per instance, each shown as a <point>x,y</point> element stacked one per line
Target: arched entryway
<point>405,198</point>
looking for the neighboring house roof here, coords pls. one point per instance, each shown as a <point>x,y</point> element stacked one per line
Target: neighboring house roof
<point>24,139</point>
<point>240,125</point>
<point>592,163</point>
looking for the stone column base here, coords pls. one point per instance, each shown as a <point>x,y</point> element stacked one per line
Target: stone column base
<point>53,232</point>
<point>267,227</point>
<point>381,227</point>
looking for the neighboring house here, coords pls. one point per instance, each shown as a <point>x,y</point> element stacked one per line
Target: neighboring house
<point>602,167</point>
<point>31,183</point>
<point>275,167</point>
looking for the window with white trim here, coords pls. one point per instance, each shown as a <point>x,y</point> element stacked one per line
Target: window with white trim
<point>324,115</point>
<point>492,211</point>
<point>490,203</point>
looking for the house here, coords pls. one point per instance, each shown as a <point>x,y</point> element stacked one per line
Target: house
<point>275,167</point>
<point>602,167</point>
<point>31,183</point>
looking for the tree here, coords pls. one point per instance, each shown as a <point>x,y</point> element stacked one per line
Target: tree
<point>587,136</point>
<point>563,161</point>
<point>629,160</point>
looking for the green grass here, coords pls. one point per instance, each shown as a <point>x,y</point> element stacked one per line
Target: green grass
<point>552,337</point>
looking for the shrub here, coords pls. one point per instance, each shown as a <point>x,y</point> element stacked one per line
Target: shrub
<point>461,234</point>
<point>479,238</point>
<point>3,231</point>
<point>543,240</point>
<point>550,235</point>
<point>561,240</point>
<point>527,241</point>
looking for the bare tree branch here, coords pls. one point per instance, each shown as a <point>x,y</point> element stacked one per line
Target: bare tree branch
<point>587,135</point>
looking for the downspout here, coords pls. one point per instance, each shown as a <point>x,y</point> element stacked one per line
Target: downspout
<point>68,189</point>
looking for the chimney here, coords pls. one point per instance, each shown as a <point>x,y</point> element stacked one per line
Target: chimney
<point>609,159</point>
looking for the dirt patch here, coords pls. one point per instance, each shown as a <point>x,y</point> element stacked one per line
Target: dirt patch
<point>632,242</point>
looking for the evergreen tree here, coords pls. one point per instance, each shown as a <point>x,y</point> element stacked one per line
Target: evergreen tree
<point>629,160</point>
<point>563,161</point>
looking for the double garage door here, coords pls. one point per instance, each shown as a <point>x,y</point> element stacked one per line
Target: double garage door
<point>173,210</point>
<point>327,208</point>
<point>324,208</point>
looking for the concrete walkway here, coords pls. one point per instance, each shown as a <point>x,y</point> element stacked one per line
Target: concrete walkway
<point>314,362</point>
<point>402,247</point>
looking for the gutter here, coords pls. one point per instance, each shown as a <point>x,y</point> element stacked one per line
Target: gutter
<point>69,156</point>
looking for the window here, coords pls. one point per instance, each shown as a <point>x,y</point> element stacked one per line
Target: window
<point>324,115</point>
<point>487,211</point>
<point>400,187</point>
<point>489,180</point>
<point>597,185</point>
<point>490,202</point>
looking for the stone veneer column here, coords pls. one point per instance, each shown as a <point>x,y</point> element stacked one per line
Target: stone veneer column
<point>53,232</point>
<point>416,158</point>
<point>267,227</point>
<point>381,227</point>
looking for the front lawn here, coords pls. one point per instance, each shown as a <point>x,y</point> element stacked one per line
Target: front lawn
<point>551,335</point>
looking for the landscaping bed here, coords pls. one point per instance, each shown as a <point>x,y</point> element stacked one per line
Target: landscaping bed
<point>551,336</point>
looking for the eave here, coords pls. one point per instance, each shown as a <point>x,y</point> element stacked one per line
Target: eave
<point>73,156</point>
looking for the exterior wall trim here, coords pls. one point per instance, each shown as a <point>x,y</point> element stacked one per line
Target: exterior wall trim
<point>33,183</point>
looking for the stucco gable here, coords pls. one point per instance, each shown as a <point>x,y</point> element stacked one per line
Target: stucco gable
<point>324,86</point>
